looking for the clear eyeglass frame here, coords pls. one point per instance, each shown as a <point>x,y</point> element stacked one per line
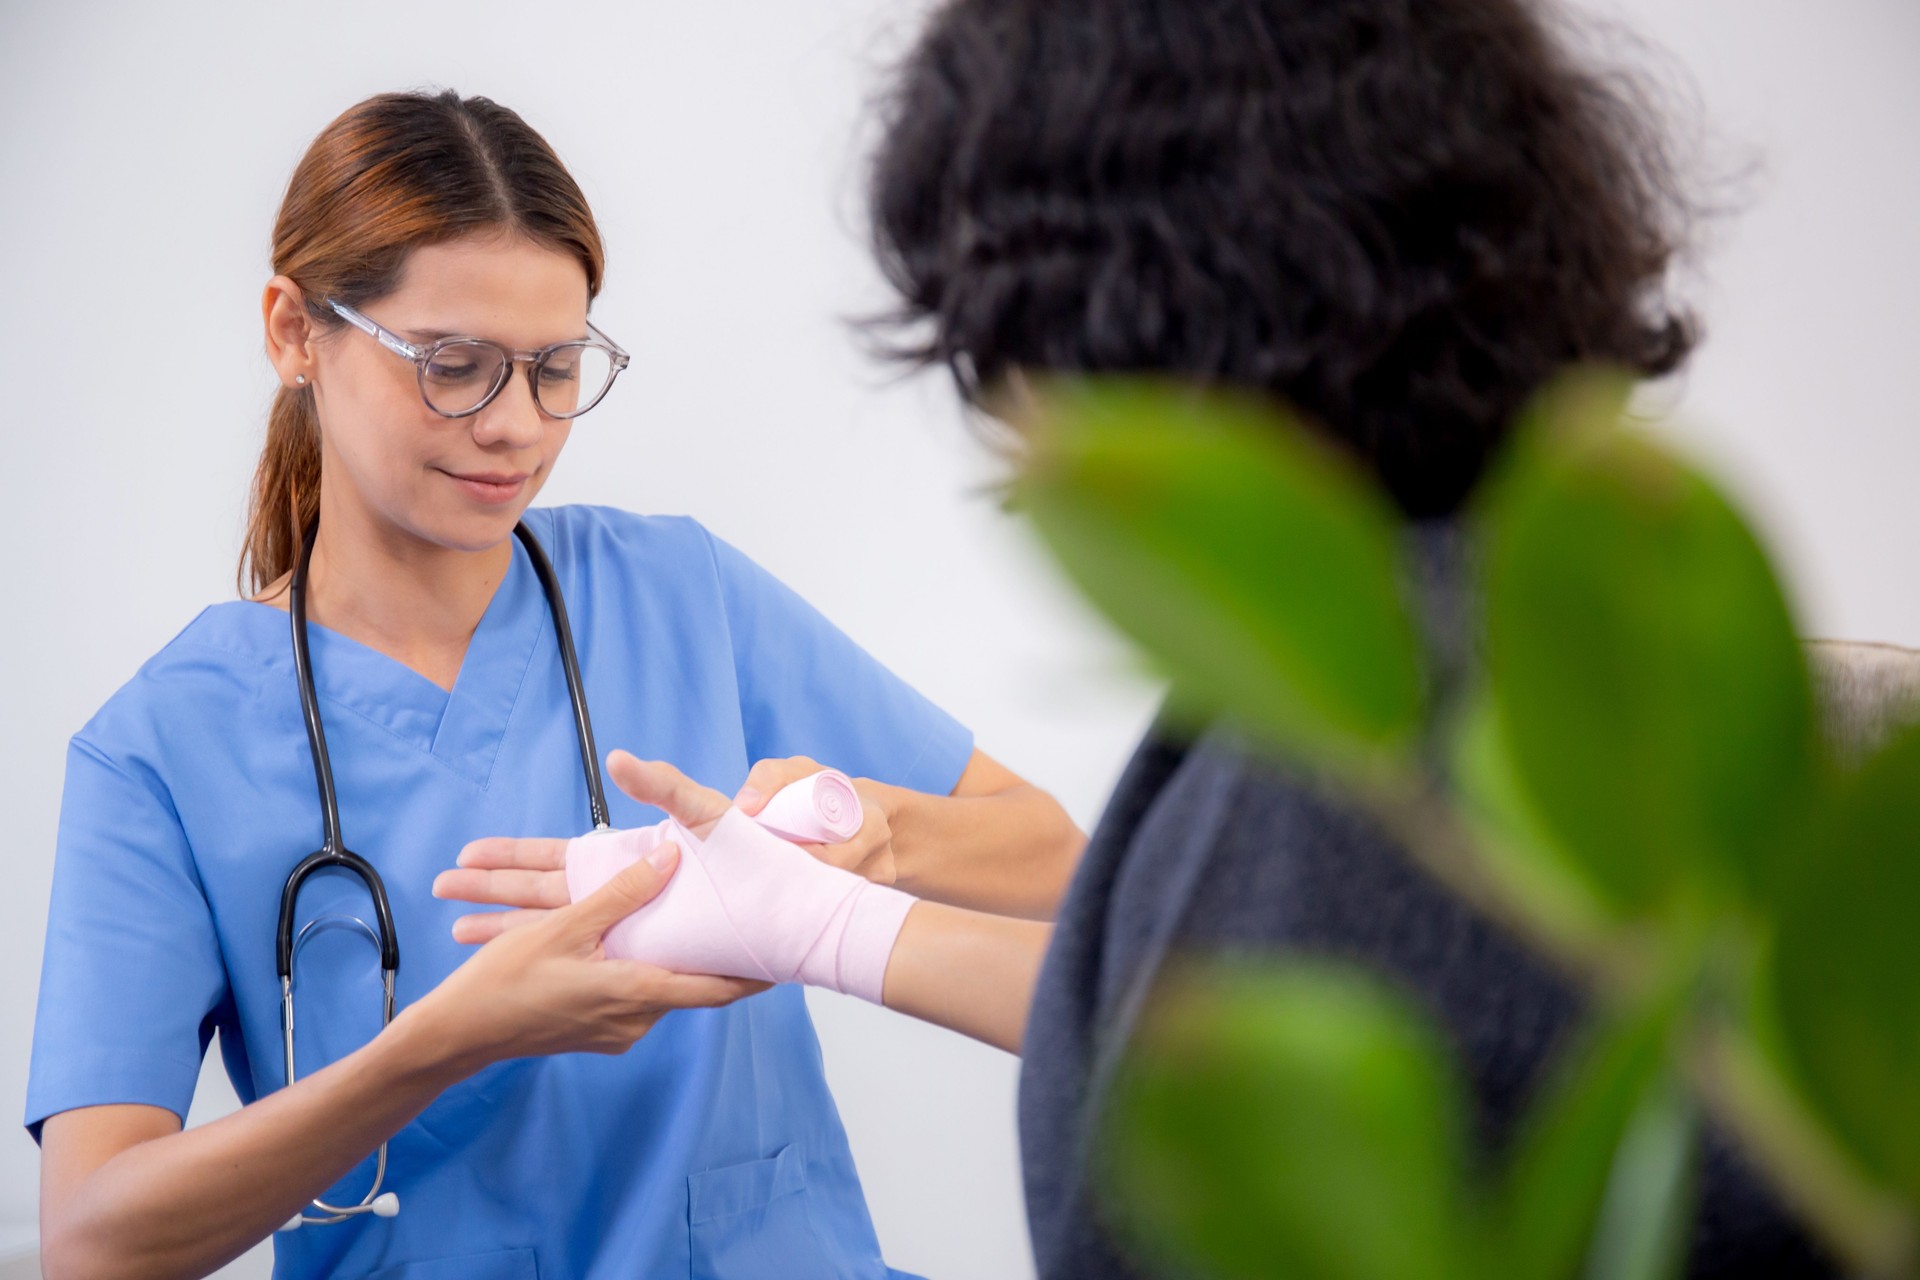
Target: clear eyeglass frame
<point>422,356</point>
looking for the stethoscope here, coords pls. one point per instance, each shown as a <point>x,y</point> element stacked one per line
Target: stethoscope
<point>334,852</point>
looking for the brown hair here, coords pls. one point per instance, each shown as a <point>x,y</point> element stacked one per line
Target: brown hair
<point>393,173</point>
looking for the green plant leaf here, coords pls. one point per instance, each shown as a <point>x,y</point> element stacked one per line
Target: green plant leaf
<point>1645,1217</point>
<point>1846,968</point>
<point>1651,692</point>
<point>1539,880</point>
<point>1298,1122</point>
<point>1259,569</point>
<point>1573,1153</point>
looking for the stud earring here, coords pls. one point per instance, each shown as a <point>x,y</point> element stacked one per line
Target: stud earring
<point>299,379</point>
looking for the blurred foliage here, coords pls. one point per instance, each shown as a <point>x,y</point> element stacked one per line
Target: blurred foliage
<point>1563,1172</point>
<point>1243,1064</point>
<point>1844,968</point>
<point>1163,504</point>
<point>1635,782</point>
<point>1649,685</point>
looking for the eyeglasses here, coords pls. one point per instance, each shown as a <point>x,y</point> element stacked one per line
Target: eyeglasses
<point>460,376</point>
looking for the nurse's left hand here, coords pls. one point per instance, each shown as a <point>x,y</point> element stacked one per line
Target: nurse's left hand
<point>870,853</point>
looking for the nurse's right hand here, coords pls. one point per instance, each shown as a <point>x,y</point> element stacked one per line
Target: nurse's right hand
<point>545,985</point>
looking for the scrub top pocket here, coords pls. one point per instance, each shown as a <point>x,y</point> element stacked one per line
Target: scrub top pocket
<point>506,1264</point>
<point>750,1222</point>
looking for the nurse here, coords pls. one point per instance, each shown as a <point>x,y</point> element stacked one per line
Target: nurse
<point>546,1117</point>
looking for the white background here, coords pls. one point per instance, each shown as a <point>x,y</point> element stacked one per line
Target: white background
<point>143,153</point>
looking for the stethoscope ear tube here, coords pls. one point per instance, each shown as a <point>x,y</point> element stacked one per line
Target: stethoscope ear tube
<point>570,664</point>
<point>309,700</point>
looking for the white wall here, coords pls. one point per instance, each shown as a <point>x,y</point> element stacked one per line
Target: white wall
<point>1803,395</point>
<point>144,151</point>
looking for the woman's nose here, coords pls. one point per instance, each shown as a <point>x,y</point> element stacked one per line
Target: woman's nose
<point>512,417</point>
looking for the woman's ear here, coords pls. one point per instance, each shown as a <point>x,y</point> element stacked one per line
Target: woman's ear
<point>290,332</point>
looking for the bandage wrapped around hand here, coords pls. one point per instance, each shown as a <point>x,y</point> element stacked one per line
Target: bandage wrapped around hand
<point>746,903</point>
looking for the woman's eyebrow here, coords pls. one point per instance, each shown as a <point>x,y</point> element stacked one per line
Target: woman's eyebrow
<point>426,337</point>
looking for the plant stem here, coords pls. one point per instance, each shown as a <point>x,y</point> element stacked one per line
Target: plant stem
<point>1872,1233</point>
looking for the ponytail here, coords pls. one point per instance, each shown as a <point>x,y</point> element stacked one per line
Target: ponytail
<point>286,490</point>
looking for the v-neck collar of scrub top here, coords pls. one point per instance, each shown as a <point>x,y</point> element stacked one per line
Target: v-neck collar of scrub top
<point>462,728</point>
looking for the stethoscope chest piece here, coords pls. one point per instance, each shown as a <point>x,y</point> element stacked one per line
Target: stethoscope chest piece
<point>381,1204</point>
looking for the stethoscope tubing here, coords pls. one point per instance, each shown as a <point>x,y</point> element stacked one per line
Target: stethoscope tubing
<point>333,851</point>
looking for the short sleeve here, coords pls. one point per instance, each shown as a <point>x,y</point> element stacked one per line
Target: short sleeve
<point>132,973</point>
<point>806,689</point>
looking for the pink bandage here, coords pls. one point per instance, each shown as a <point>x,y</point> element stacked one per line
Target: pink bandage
<point>822,809</point>
<point>745,903</point>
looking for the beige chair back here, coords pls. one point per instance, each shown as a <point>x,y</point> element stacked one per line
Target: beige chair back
<point>1866,691</point>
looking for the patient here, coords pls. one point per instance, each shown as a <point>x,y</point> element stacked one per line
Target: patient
<point>1400,218</point>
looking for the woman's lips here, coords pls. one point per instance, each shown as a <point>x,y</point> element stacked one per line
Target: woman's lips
<point>491,488</point>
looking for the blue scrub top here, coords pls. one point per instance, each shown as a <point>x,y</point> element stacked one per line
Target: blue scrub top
<point>710,1149</point>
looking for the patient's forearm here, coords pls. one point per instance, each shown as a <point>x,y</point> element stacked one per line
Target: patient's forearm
<point>967,971</point>
<point>1009,851</point>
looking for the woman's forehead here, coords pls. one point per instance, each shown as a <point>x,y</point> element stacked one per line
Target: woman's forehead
<point>499,286</point>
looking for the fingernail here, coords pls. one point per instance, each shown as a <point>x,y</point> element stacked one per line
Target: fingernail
<point>661,857</point>
<point>748,799</point>
<point>436,883</point>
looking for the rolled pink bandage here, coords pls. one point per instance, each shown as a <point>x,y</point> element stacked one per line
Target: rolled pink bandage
<point>821,809</point>
<point>745,903</point>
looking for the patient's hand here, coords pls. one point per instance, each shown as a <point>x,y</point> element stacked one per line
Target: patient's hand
<point>530,875</point>
<point>869,853</point>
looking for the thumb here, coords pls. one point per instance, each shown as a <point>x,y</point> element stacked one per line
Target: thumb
<point>664,787</point>
<point>633,888</point>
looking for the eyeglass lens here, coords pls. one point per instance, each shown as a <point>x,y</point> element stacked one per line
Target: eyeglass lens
<point>460,376</point>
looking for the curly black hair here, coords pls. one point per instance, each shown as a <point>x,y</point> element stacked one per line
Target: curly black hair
<point>1401,217</point>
